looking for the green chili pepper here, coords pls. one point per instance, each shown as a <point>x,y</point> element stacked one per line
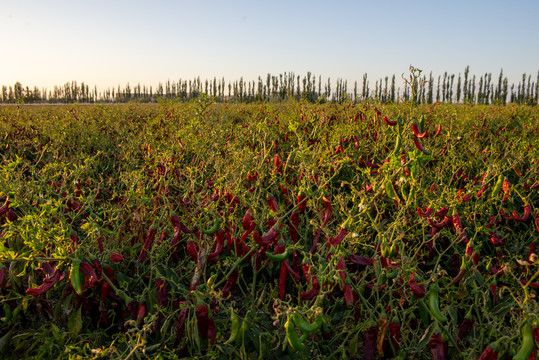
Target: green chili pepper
<point>352,347</point>
<point>279,257</point>
<point>382,279</point>
<point>213,229</point>
<point>234,329</point>
<point>74,276</point>
<point>527,346</point>
<point>434,303</point>
<point>291,335</point>
<point>8,312</point>
<point>422,123</point>
<point>390,190</point>
<point>423,313</point>
<point>305,326</point>
<point>498,185</point>
<point>393,274</point>
<point>398,146</point>
<point>243,329</point>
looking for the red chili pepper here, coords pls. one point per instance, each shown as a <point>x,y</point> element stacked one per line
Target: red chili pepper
<point>444,150</point>
<point>340,236</point>
<point>527,212</point>
<point>74,239</point>
<point>348,294</point>
<point>465,326</point>
<point>2,275</point>
<point>493,289</point>
<point>175,220</point>
<point>241,248</point>
<point>277,161</point>
<point>230,283</point>
<point>459,275</point>
<point>162,292</point>
<point>489,354</point>
<point>439,130</point>
<point>306,268</point>
<point>469,251</point>
<point>272,202</point>
<point>247,232</point>
<point>141,312</point>
<point>116,258</point>
<point>282,280</point>
<point>491,221</point>
<point>481,191</point>
<point>90,275</point>
<point>417,132</point>
<point>271,222</point>
<point>327,210</point>
<point>219,245</point>
<point>291,271</point>
<point>496,241</point>
<point>211,332</point>
<point>5,207</point>
<point>316,239</point>
<point>419,146</point>
<point>360,260</point>
<point>105,286</point>
<point>446,221</point>
<point>192,251</point>
<point>180,323</point>
<point>390,122</point>
<point>270,237</point>
<point>437,346</point>
<point>506,217</point>
<point>458,227</point>
<point>506,186</point>
<point>178,225</point>
<point>426,212</point>
<point>395,334</point>
<point>147,245</point>
<point>293,226</point>
<point>442,212</point>
<point>369,347</point>
<point>464,198</point>
<point>458,174</point>
<point>100,244</point>
<point>302,202</point>
<point>371,165</point>
<point>252,177</point>
<point>308,295</point>
<point>403,159</point>
<point>202,315</point>
<point>181,144</point>
<point>418,290</point>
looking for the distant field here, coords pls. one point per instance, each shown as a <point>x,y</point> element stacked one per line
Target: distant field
<point>269,230</point>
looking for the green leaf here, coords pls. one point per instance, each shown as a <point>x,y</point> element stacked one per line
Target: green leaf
<point>4,342</point>
<point>74,325</point>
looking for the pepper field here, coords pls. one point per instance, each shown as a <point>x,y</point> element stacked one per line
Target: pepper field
<point>269,231</point>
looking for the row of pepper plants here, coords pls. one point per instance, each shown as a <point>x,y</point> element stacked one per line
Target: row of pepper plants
<point>289,230</point>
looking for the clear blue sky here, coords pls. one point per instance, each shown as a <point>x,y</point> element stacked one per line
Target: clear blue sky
<point>106,43</point>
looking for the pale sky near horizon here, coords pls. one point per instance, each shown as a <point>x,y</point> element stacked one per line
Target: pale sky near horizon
<point>113,42</point>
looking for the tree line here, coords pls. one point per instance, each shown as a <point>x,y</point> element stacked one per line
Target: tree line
<point>446,88</point>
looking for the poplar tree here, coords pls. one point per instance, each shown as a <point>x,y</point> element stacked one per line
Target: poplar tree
<point>458,89</point>
<point>393,88</point>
